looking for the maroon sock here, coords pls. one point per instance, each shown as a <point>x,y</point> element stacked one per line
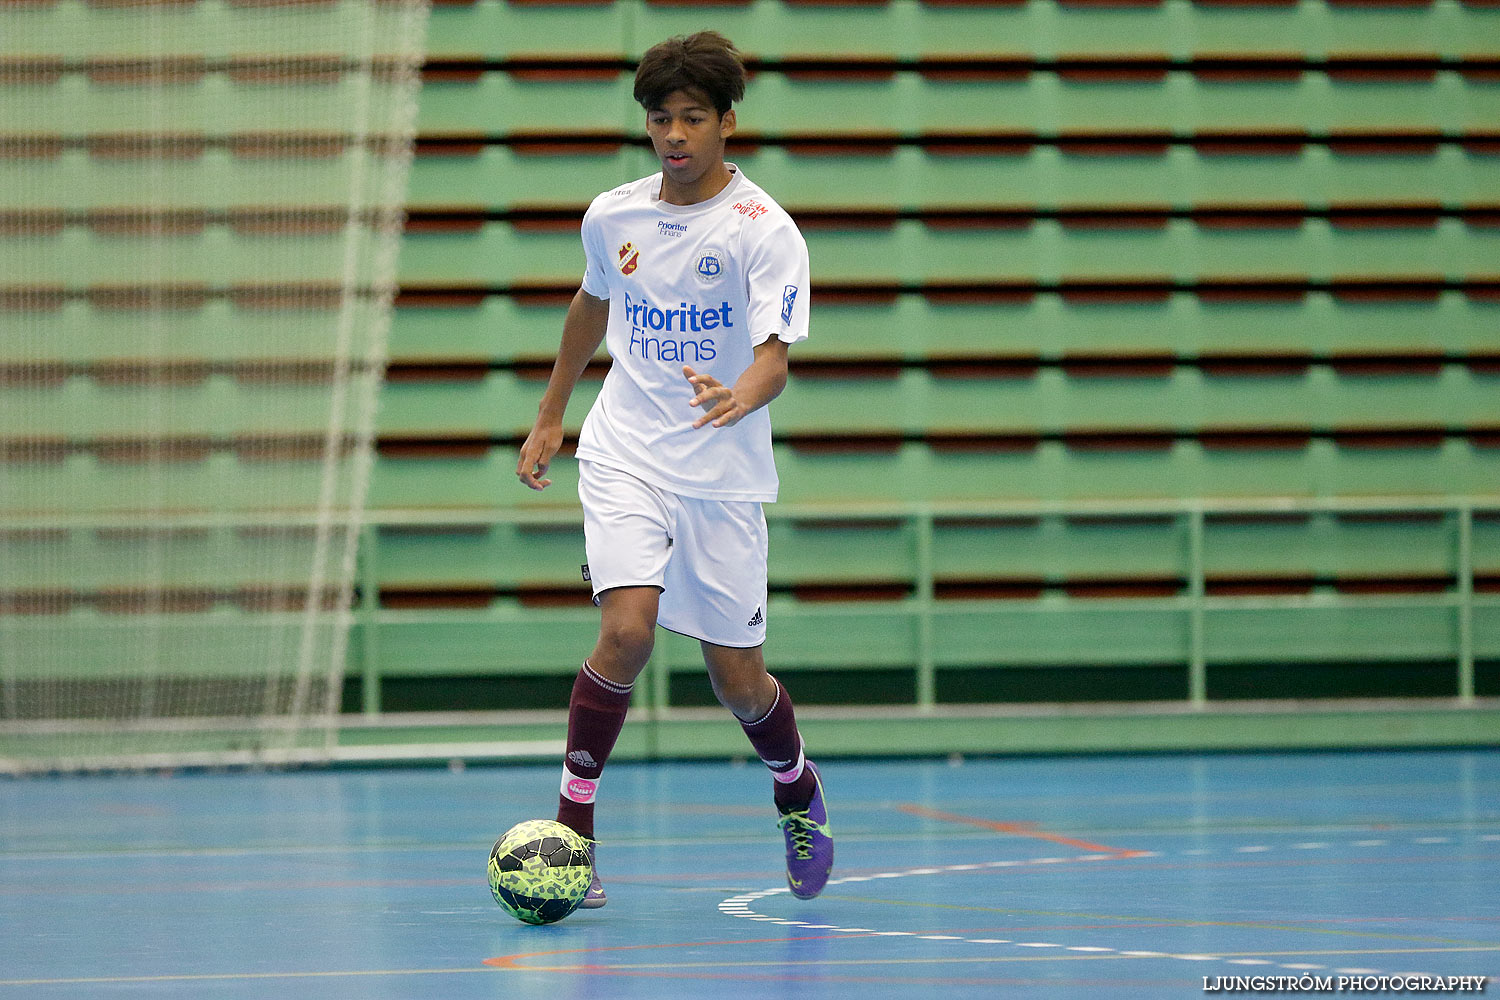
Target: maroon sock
<point>775,738</point>
<point>596,712</point>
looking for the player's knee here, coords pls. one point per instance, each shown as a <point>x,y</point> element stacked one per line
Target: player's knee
<point>746,697</point>
<point>626,644</point>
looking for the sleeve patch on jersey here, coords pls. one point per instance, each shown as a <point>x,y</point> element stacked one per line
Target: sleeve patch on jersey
<point>788,296</point>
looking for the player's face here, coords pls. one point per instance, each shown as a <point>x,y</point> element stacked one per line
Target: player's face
<point>688,136</point>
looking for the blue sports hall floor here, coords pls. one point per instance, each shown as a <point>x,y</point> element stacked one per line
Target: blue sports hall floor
<point>1098,877</point>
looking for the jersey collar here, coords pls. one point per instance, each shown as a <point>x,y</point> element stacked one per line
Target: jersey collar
<point>728,193</point>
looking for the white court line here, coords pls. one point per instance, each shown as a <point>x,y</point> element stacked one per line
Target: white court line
<point>739,906</point>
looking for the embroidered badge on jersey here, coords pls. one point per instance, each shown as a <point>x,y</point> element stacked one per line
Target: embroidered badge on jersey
<point>630,258</point>
<point>710,265</point>
<point>788,296</point>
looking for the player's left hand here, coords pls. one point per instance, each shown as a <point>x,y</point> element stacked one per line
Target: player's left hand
<point>717,400</point>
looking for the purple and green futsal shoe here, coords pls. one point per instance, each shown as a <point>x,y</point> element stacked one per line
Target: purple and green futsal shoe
<point>809,844</point>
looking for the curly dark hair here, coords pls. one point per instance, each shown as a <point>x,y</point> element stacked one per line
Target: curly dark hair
<point>706,63</point>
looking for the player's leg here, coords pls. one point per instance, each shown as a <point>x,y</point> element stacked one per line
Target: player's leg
<point>627,537</point>
<point>764,709</point>
<point>601,697</point>
<point>597,708</point>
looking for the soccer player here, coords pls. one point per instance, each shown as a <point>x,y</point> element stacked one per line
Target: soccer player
<point>697,281</point>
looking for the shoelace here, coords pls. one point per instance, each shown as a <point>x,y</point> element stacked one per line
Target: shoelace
<point>800,827</point>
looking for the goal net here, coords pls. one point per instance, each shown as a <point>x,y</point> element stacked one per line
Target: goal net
<point>200,208</point>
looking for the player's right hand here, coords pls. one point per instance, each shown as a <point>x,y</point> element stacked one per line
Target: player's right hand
<point>536,454</point>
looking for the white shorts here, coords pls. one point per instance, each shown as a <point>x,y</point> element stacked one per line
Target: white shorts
<point>708,557</point>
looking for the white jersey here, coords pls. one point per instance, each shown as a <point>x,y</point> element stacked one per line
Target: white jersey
<point>699,285</point>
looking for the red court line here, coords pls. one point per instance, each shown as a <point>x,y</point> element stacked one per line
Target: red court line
<point>1018,829</point>
<point>513,962</point>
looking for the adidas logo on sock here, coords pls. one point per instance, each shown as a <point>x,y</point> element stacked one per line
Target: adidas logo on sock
<point>756,619</point>
<point>582,758</point>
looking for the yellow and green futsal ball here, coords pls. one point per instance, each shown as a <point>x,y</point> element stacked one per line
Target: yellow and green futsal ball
<point>540,871</point>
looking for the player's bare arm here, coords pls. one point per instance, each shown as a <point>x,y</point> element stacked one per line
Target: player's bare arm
<point>583,331</point>
<point>762,382</point>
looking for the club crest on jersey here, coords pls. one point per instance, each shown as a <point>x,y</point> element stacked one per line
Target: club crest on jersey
<point>788,298</point>
<point>630,258</point>
<point>710,265</point>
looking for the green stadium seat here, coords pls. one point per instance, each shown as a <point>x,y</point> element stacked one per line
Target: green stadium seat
<point>878,178</point>
<point>213,257</point>
<point>905,101</point>
<point>1293,553</point>
<point>1351,29</point>
<point>79,332</point>
<point>1053,179</point>
<point>827,550</point>
<point>499,104</point>
<point>92,645</point>
<point>1446,396</point>
<point>105,561</point>
<point>491,29</point>
<point>216,179</point>
<point>1254,634</point>
<point>499,328</point>
<point>1070,636</point>
<point>505,639</point>
<point>1452,324</point>
<point>216,31</point>
<point>501,404</point>
<point>1051,550</point>
<point>205,102</point>
<point>766,29</point>
<point>494,254</point>
<point>83,409</point>
<point>505,556</point>
<point>502,177</point>
<point>478,481</point>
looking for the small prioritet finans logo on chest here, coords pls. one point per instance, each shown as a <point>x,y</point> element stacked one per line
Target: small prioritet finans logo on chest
<point>629,259</point>
<point>672,229</point>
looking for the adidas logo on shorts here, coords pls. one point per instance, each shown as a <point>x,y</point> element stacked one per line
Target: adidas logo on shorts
<point>756,619</point>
